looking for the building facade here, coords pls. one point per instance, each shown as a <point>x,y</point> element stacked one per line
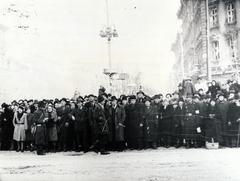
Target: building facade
<point>208,38</point>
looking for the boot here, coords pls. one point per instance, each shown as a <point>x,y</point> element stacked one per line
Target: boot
<point>47,149</point>
<point>59,147</point>
<point>12,145</point>
<point>39,150</point>
<point>74,146</point>
<point>94,147</point>
<point>195,144</point>
<point>154,145</point>
<point>22,146</point>
<point>79,148</point>
<point>64,147</point>
<point>54,147</point>
<point>103,152</point>
<point>177,144</point>
<point>31,147</point>
<point>187,145</point>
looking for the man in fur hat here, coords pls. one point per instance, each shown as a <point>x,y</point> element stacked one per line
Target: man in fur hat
<point>140,97</point>
<point>134,123</point>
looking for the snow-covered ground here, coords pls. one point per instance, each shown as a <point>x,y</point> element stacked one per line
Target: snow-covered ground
<point>145,165</point>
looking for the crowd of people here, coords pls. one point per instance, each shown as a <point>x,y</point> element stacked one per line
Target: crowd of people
<point>190,117</point>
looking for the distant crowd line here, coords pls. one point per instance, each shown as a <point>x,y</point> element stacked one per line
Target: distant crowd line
<point>192,116</point>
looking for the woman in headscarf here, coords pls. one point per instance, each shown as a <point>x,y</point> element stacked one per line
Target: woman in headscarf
<point>51,124</point>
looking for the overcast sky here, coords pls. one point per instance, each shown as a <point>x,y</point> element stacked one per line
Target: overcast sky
<point>63,40</point>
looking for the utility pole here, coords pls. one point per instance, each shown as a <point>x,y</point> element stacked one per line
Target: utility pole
<point>107,32</point>
<point>209,68</point>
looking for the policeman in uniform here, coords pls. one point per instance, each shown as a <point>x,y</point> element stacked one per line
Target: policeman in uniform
<point>190,126</point>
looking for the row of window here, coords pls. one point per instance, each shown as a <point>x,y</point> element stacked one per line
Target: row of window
<point>230,13</point>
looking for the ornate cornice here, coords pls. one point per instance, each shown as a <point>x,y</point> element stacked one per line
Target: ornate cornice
<point>212,3</point>
<point>228,1</point>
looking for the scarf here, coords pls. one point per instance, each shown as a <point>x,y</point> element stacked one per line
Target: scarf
<point>19,115</point>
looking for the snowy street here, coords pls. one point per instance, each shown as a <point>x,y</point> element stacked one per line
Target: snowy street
<point>146,165</point>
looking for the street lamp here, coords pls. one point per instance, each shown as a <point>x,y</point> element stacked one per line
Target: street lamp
<point>109,32</point>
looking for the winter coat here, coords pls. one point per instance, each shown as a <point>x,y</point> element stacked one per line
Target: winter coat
<point>212,124</point>
<point>51,126</point>
<point>40,135</point>
<point>8,127</point>
<point>63,123</point>
<point>233,116</point>
<point>190,123</point>
<point>150,123</point>
<point>177,121</point>
<point>134,121</point>
<point>20,126</point>
<point>30,123</point>
<point>223,109</point>
<point>100,122</point>
<point>1,125</point>
<point>116,117</point>
<point>80,122</point>
<point>166,120</point>
<point>213,90</point>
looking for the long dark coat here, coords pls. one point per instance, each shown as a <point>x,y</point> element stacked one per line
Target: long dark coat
<point>166,120</point>
<point>223,109</point>
<point>100,122</point>
<point>1,125</point>
<point>115,123</point>
<point>63,124</point>
<point>40,135</point>
<point>177,121</point>
<point>158,107</point>
<point>150,123</point>
<point>80,123</point>
<point>30,122</point>
<point>51,125</point>
<point>233,115</point>
<point>190,123</point>
<point>212,124</point>
<point>7,127</point>
<point>134,118</point>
